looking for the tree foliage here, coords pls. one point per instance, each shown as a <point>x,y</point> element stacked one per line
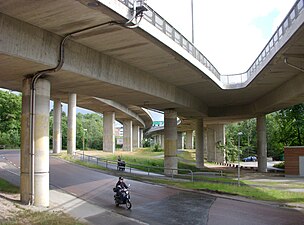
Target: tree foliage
<point>284,128</point>
<point>89,131</point>
<point>10,119</point>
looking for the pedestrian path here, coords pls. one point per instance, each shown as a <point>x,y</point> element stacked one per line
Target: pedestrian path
<point>85,211</point>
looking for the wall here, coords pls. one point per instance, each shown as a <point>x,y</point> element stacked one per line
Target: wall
<point>292,162</point>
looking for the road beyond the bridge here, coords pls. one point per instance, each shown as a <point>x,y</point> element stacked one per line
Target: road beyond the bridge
<point>87,194</point>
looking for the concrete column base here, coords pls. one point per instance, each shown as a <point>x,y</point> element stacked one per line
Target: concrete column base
<point>170,165</point>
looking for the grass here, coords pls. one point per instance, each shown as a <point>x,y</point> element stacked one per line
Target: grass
<point>41,218</point>
<point>7,187</point>
<point>276,184</point>
<point>257,193</point>
<point>80,162</point>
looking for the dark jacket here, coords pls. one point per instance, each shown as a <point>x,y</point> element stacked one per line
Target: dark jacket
<point>121,184</point>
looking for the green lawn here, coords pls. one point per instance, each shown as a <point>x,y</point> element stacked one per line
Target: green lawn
<point>7,187</point>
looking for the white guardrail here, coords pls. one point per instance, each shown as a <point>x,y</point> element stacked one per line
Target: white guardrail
<point>160,23</point>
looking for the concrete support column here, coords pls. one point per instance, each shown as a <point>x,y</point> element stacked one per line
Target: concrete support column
<point>199,142</point>
<point>205,142</point>
<point>180,140</point>
<point>109,132</point>
<point>189,139</point>
<point>220,140</point>
<point>162,145</point>
<point>40,147</point>
<point>262,143</point>
<point>141,137</point>
<point>57,135</point>
<point>25,158</point>
<point>127,136</point>
<point>135,136</point>
<point>211,150</point>
<point>157,139</point>
<point>72,124</point>
<point>170,132</point>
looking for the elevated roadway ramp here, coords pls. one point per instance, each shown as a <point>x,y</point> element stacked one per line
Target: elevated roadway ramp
<point>141,66</point>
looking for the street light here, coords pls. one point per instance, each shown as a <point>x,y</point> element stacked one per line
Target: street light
<point>239,144</point>
<point>84,130</point>
<point>192,19</point>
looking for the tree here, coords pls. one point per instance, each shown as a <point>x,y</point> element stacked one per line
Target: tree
<point>10,118</point>
<point>248,139</point>
<point>89,129</point>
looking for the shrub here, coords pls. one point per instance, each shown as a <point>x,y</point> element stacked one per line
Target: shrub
<point>280,165</point>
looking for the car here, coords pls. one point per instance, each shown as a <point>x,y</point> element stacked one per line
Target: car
<point>250,159</point>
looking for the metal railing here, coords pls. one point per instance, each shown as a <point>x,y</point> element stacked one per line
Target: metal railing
<point>160,23</point>
<point>132,168</point>
<point>270,47</point>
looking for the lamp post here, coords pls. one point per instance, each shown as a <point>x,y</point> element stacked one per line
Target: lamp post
<point>84,130</point>
<point>239,144</point>
<point>192,19</point>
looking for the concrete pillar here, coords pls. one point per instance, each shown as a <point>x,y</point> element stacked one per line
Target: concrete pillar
<point>72,124</point>
<point>189,139</point>
<point>127,136</point>
<point>135,136</point>
<point>211,144</point>
<point>262,143</point>
<point>162,142</point>
<point>215,137</point>
<point>141,137</point>
<point>180,140</point>
<point>199,142</point>
<point>57,135</point>
<point>205,142</point>
<point>220,140</point>
<point>170,132</point>
<point>25,180</point>
<point>109,132</point>
<point>41,144</point>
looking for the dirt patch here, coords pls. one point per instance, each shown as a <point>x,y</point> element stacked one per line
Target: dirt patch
<point>9,205</point>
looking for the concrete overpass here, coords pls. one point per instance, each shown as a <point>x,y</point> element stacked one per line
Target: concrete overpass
<point>139,118</point>
<point>87,48</point>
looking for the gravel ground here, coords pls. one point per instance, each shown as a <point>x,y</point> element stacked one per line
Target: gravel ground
<point>9,205</point>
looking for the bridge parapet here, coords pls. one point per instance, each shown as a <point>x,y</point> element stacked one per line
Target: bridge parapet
<point>270,47</point>
<point>160,23</point>
<point>235,80</point>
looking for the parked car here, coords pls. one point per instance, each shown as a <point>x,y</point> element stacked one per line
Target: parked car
<point>250,159</point>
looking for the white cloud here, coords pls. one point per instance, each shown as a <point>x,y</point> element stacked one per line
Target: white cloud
<point>225,31</point>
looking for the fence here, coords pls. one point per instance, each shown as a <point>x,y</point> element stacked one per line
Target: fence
<point>133,168</point>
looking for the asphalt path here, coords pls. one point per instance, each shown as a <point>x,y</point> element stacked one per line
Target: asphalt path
<point>154,204</point>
